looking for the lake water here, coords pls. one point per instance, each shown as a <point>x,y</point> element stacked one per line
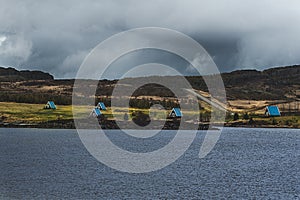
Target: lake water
<point>245,164</point>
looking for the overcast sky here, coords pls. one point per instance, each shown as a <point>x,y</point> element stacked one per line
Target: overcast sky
<point>55,36</point>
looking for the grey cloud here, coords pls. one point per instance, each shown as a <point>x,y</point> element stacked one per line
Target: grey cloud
<point>55,35</point>
<point>14,49</point>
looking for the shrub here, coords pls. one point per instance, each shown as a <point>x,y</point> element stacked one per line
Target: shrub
<point>235,116</point>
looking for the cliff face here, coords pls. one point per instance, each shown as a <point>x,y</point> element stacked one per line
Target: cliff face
<point>11,74</point>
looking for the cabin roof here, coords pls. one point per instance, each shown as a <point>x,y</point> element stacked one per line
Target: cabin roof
<point>51,104</point>
<point>97,112</point>
<point>273,110</point>
<point>177,112</point>
<point>102,105</point>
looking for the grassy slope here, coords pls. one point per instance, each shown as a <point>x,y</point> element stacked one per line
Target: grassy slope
<point>261,121</point>
<point>34,113</point>
<point>283,121</point>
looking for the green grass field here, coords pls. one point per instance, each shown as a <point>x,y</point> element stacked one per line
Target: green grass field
<point>290,121</point>
<point>35,113</point>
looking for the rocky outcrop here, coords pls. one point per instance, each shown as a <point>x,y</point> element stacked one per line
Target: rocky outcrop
<point>11,74</point>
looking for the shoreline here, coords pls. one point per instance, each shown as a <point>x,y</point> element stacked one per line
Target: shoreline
<point>105,124</point>
<point>111,125</point>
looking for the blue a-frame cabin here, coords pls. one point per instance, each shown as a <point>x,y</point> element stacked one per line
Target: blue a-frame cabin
<point>96,112</point>
<point>175,112</point>
<point>272,111</point>
<point>101,106</point>
<point>50,105</point>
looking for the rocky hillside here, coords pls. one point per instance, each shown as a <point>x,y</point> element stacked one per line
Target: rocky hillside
<point>37,87</point>
<point>11,74</point>
<point>270,84</point>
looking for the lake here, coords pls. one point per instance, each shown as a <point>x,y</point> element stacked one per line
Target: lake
<point>245,164</point>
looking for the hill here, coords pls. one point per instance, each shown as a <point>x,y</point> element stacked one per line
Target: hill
<point>280,83</point>
<point>11,74</point>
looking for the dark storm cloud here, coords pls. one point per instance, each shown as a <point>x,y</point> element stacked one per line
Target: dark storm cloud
<point>55,36</point>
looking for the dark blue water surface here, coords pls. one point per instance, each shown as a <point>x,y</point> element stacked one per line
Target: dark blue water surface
<point>245,164</point>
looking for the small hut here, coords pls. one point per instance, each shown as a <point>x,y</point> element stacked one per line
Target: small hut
<point>96,112</point>
<point>175,112</point>
<point>101,106</point>
<point>50,105</point>
<point>272,111</point>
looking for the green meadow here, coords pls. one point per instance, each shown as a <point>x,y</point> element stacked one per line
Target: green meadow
<point>35,113</point>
